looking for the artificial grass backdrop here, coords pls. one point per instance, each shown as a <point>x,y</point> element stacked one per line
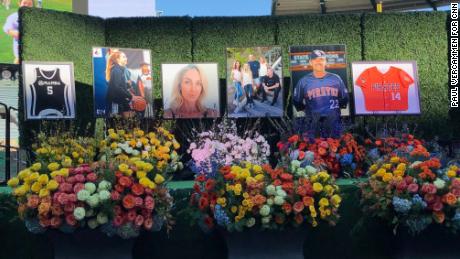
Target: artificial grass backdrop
<point>402,36</point>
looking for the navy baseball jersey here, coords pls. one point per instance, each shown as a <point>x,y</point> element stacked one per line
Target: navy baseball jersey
<point>321,95</point>
<point>49,94</point>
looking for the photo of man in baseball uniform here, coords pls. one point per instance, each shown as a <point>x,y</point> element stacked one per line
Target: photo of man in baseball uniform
<point>321,94</point>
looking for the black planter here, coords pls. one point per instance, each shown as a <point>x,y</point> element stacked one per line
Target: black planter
<point>254,244</point>
<point>90,245</point>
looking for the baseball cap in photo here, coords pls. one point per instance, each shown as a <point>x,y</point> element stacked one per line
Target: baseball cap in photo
<point>317,54</point>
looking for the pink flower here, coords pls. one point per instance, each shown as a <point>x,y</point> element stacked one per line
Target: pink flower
<point>78,187</point>
<point>401,186</point>
<point>117,210</point>
<point>79,178</point>
<point>33,201</point>
<point>437,206</point>
<point>148,223</point>
<point>62,198</point>
<point>55,222</point>
<point>115,195</point>
<point>72,197</point>
<point>69,207</point>
<point>456,192</point>
<point>429,188</point>
<point>59,178</point>
<point>70,219</point>
<point>71,179</point>
<point>146,213</point>
<point>413,188</point>
<point>92,177</point>
<point>138,201</point>
<point>455,183</point>
<point>139,220</point>
<point>118,221</point>
<point>131,215</point>
<point>149,202</point>
<point>429,198</point>
<point>148,191</point>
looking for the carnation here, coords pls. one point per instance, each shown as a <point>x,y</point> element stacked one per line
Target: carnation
<point>104,185</point>
<point>265,220</point>
<point>79,213</point>
<point>93,200</point>
<point>92,223</point>
<point>104,195</point>
<point>279,200</point>
<point>295,164</point>
<point>265,210</point>
<point>281,193</point>
<point>90,187</point>
<point>271,190</point>
<point>102,218</point>
<point>83,195</point>
<point>250,222</point>
<point>311,169</point>
<point>439,183</point>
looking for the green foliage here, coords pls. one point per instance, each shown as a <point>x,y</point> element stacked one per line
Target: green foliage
<point>211,36</point>
<point>168,38</point>
<point>60,36</point>
<point>415,36</point>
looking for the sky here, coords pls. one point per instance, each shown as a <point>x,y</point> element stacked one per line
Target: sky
<point>214,7</point>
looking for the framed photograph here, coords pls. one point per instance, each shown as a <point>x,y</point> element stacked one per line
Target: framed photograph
<point>254,82</point>
<point>122,81</point>
<point>319,80</point>
<point>49,90</point>
<point>190,90</point>
<point>386,88</point>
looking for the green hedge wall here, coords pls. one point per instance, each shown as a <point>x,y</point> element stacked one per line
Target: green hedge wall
<point>212,35</point>
<point>61,36</point>
<point>415,36</point>
<point>168,38</point>
<point>399,36</point>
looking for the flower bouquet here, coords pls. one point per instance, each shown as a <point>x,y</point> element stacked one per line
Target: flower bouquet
<point>390,146</point>
<point>413,193</point>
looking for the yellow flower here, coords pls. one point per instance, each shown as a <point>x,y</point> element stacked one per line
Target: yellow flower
<point>454,168</point>
<point>152,185</point>
<point>398,173</point>
<point>401,167</point>
<point>128,172</point>
<point>387,177</point>
<point>36,187</point>
<point>317,187</point>
<point>238,188</point>
<point>21,191</point>
<point>323,175</point>
<point>80,160</point>
<point>52,185</point>
<point>43,179</point>
<point>235,169</point>
<point>64,172</point>
<point>33,177</point>
<point>113,135</point>
<point>229,187</point>
<point>312,211</point>
<point>23,174</point>
<point>373,168</point>
<point>314,178</point>
<point>139,133</point>
<point>75,154</point>
<point>36,166</point>
<point>145,181</point>
<point>314,223</point>
<point>44,193</point>
<point>329,190</point>
<point>53,166</point>
<point>176,144</point>
<point>381,172</point>
<point>323,202</point>
<point>451,173</point>
<point>245,195</point>
<point>221,201</point>
<point>387,166</point>
<point>394,160</point>
<point>110,131</point>
<point>245,202</point>
<point>114,145</point>
<point>257,169</point>
<point>121,132</point>
<point>259,177</point>
<point>234,209</point>
<point>159,179</point>
<point>398,178</point>
<point>67,162</point>
<point>141,174</point>
<point>336,200</point>
<point>123,167</point>
<point>13,182</point>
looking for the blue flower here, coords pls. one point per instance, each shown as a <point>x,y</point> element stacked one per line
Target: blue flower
<point>417,200</point>
<point>221,217</point>
<point>374,154</point>
<point>401,205</point>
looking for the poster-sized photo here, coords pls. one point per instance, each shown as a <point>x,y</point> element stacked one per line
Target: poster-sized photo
<point>254,82</point>
<point>386,87</point>
<point>122,81</point>
<point>49,90</point>
<point>319,80</point>
<point>190,90</point>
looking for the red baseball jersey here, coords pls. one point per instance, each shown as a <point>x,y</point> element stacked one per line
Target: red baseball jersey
<point>385,91</point>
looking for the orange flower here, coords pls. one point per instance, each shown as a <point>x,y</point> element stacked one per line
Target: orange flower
<point>449,198</point>
<point>307,201</point>
<point>287,207</point>
<point>439,216</point>
<point>225,169</point>
<point>259,199</point>
<point>322,151</point>
<point>129,201</point>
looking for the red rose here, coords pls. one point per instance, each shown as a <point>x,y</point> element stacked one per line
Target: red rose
<point>139,201</point>
<point>115,196</point>
<point>293,139</point>
<point>117,210</point>
<point>197,189</point>
<point>118,174</point>
<point>289,187</point>
<point>409,179</point>
<point>413,188</point>
<point>302,147</point>
<point>298,207</point>
<point>209,222</point>
<point>456,192</point>
<point>378,142</point>
<point>119,188</point>
<point>131,215</point>
<point>200,178</point>
<point>298,219</point>
<point>148,223</point>
<point>149,202</point>
<point>279,145</point>
<point>301,190</point>
<point>78,187</point>
<point>401,186</point>
<point>286,177</point>
<point>139,221</point>
<point>148,191</point>
<point>429,198</point>
<point>62,198</point>
<point>455,183</point>
<point>204,203</point>
<point>128,201</point>
<point>287,207</point>
<point>229,176</point>
<point>92,177</point>
<point>125,181</point>
<point>70,219</point>
<point>277,182</point>
<point>429,188</point>
<point>55,222</point>
<point>79,178</point>
<point>66,187</point>
<point>210,183</point>
<point>137,189</point>
<point>118,221</point>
